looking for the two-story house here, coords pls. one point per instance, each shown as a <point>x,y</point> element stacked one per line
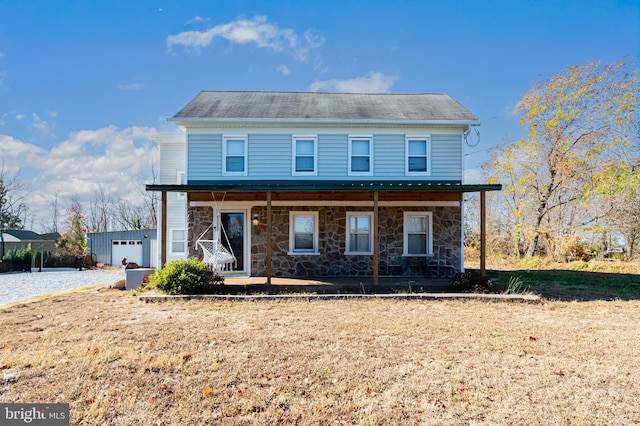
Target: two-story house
<point>299,184</point>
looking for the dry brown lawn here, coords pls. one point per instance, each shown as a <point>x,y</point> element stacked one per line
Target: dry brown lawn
<point>121,361</point>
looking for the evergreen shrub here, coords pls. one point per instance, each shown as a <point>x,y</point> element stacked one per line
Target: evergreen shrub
<point>189,276</point>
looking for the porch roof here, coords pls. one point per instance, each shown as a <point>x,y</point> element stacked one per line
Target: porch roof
<point>323,185</point>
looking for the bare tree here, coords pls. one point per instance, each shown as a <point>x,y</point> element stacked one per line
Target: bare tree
<point>54,207</point>
<point>101,210</point>
<point>12,206</point>
<point>149,200</point>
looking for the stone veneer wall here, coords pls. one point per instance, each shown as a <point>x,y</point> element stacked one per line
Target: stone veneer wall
<point>332,262</point>
<point>198,219</point>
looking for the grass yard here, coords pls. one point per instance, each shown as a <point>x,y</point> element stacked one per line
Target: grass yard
<point>570,285</point>
<point>119,361</point>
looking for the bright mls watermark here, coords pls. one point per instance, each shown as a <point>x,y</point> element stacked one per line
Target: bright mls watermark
<point>34,414</point>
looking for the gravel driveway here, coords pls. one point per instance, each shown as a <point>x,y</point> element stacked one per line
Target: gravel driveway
<point>24,285</point>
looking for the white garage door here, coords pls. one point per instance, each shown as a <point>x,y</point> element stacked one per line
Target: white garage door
<point>131,249</point>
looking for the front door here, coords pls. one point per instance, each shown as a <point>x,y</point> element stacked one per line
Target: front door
<point>233,236</point>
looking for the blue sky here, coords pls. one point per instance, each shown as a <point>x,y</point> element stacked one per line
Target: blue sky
<point>84,84</point>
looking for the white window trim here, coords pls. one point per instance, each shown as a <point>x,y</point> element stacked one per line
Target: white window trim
<point>171,241</point>
<point>368,138</point>
<point>224,154</point>
<point>409,138</point>
<point>405,234</point>
<point>292,214</point>
<point>347,234</point>
<point>294,138</point>
<point>180,175</point>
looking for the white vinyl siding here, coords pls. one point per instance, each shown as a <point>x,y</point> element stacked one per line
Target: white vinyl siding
<point>303,232</point>
<point>360,156</point>
<point>417,234</point>
<point>234,153</point>
<point>180,180</point>
<point>359,233</point>
<point>171,165</point>
<point>305,155</point>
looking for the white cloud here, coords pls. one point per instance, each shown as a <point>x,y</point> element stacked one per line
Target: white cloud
<point>284,69</point>
<point>42,126</point>
<point>474,176</point>
<point>373,82</point>
<point>15,152</point>
<point>20,117</point>
<point>110,157</point>
<point>197,20</point>
<point>130,86</point>
<point>312,41</point>
<point>255,31</point>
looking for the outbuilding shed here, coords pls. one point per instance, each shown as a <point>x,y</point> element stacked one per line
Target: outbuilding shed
<point>137,246</point>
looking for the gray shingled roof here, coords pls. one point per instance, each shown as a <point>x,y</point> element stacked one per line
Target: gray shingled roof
<point>324,106</point>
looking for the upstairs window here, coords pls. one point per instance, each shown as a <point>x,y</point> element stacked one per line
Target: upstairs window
<point>305,155</point>
<point>360,157</point>
<point>359,234</point>
<point>234,152</point>
<point>418,151</point>
<point>417,234</point>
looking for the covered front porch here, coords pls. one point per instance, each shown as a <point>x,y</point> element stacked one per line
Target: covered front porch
<point>266,210</point>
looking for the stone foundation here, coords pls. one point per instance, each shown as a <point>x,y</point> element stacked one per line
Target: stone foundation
<point>332,261</point>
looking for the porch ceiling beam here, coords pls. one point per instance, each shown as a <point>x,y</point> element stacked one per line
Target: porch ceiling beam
<point>324,186</point>
<point>384,196</point>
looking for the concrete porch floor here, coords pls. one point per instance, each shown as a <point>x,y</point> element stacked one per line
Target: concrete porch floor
<point>337,285</point>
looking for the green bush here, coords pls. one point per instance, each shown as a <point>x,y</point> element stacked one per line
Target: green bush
<point>20,259</point>
<point>186,277</point>
<point>25,254</point>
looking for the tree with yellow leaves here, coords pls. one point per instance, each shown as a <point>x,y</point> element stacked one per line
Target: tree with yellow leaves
<point>575,122</point>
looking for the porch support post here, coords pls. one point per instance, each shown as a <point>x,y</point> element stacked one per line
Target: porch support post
<point>269,234</point>
<point>376,243</point>
<point>483,233</point>
<point>163,231</point>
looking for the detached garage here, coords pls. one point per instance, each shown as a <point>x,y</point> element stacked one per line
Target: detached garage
<point>137,246</point>
<point>131,249</point>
